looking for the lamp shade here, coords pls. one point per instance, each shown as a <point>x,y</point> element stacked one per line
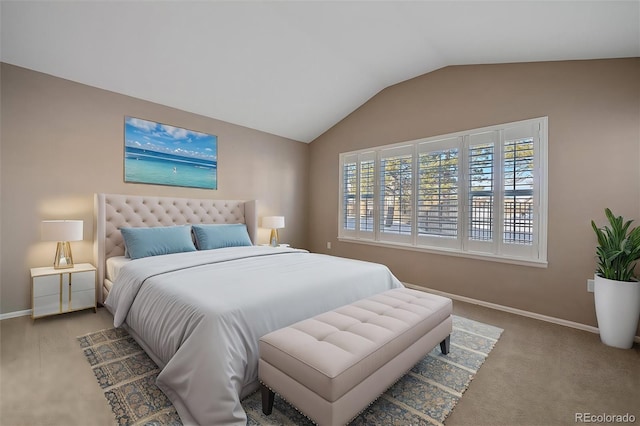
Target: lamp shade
<point>62,230</point>
<point>273,222</point>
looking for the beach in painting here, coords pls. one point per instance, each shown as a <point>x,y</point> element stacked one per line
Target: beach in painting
<point>165,169</point>
<point>166,155</point>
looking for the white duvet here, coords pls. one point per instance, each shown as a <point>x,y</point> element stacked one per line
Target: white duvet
<point>200,314</point>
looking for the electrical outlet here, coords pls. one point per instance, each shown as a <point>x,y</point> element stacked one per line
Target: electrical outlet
<point>328,245</point>
<point>590,284</point>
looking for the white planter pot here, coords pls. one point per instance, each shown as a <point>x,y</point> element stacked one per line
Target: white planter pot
<point>617,310</point>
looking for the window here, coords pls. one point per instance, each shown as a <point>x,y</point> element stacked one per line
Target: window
<point>478,193</point>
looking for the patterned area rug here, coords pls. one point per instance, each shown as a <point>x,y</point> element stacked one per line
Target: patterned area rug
<point>424,396</point>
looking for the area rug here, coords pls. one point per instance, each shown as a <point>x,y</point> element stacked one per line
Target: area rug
<point>424,396</point>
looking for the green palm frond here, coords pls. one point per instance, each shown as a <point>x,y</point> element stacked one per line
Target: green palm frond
<point>618,248</point>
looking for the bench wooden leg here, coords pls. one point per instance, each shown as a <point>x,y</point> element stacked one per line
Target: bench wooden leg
<point>445,345</point>
<point>267,400</point>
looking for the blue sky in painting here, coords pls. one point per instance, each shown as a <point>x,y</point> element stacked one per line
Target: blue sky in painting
<point>167,139</point>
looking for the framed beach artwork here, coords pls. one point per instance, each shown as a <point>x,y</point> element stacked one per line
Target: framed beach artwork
<point>161,154</point>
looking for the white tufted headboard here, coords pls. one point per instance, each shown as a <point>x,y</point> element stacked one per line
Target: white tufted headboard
<point>113,211</point>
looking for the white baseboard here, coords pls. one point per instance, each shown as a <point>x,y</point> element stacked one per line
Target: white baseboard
<point>515,311</point>
<point>15,314</point>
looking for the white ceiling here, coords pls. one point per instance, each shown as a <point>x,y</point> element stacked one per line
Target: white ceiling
<point>296,68</point>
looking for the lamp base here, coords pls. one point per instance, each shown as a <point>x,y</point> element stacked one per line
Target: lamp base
<point>273,239</point>
<point>63,259</point>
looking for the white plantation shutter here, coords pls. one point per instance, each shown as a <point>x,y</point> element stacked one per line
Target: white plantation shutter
<point>520,203</point>
<point>480,202</point>
<point>349,180</point>
<point>357,191</point>
<point>396,194</point>
<point>367,192</point>
<point>438,193</point>
<point>479,193</point>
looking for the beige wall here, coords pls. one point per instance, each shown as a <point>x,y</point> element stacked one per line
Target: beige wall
<point>63,141</point>
<point>594,147</point>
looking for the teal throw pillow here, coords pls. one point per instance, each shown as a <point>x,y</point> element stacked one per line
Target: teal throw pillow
<point>145,242</point>
<point>214,236</point>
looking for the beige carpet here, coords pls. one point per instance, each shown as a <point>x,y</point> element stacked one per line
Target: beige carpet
<point>538,374</point>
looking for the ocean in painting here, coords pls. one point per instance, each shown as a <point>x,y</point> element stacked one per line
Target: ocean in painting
<point>143,165</point>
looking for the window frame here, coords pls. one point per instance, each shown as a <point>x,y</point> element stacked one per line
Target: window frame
<point>497,249</point>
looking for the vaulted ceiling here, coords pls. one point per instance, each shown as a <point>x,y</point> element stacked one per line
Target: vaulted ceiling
<point>296,68</point>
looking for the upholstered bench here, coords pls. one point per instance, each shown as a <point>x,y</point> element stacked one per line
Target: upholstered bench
<point>332,366</point>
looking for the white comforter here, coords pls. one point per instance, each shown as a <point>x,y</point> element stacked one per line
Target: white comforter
<point>201,315</point>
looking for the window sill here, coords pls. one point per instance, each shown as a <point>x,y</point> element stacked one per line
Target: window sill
<point>447,252</point>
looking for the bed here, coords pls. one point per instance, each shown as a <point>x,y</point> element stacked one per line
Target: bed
<point>200,313</point>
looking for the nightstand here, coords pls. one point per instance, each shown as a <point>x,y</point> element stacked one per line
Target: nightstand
<point>57,291</point>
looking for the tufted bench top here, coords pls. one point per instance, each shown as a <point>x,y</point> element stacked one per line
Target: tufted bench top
<point>332,352</point>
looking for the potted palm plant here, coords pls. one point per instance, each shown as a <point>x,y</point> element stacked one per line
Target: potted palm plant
<point>617,290</point>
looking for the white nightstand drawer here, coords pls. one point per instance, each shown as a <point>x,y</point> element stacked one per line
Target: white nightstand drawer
<point>46,305</point>
<point>83,281</point>
<point>83,299</point>
<point>46,286</point>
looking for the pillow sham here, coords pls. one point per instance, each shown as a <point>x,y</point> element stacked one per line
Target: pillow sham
<point>145,242</point>
<point>213,236</point>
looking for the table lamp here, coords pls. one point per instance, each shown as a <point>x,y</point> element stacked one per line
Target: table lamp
<point>62,231</point>
<point>274,223</point>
